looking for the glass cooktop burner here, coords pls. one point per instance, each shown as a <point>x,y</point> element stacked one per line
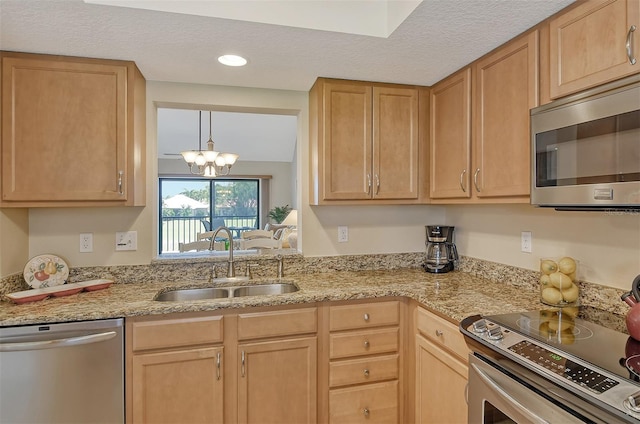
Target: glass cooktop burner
<point>593,335</point>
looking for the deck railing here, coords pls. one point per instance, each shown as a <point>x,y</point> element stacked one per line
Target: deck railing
<point>185,229</point>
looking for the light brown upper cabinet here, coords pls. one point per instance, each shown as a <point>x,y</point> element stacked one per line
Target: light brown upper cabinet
<point>480,136</point>
<point>364,139</point>
<point>73,132</point>
<point>505,89</point>
<point>451,136</point>
<point>593,43</point>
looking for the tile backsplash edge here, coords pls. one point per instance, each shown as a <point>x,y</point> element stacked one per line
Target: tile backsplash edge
<point>597,295</point>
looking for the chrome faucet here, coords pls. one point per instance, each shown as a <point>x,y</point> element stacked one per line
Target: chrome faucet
<point>280,260</point>
<point>231,269</point>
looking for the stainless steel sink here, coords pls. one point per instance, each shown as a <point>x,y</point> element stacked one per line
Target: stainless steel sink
<point>193,294</point>
<point>178,295</point>
<point>264,289</point>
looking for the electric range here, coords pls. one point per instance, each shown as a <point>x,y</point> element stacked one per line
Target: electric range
<point>582,350</point>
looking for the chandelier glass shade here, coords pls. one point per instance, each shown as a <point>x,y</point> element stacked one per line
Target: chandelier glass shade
<point>208,163</point>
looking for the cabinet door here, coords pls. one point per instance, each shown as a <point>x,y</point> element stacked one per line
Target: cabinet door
<point>395,143</point>
<point>587,45</point>
<point>63,130</point>
<point>451,137</point>
<point>178,387</point>
<point>441,382</point>
<point>277,381</point>
<point>506,87</point>
<point>346,155</point>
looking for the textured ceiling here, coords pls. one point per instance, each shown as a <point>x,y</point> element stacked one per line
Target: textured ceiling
<point>439,37</point>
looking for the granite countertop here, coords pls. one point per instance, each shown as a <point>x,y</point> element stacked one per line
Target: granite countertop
<point>454,295</point>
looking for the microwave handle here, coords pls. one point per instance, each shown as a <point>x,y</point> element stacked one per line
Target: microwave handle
<point>513,402</point>
<point>629,45</point>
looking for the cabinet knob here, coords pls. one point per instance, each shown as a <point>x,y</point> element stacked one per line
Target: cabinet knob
<point>438,333</point>
<point>366,344</point>
<point>366,372</point>
<point>365,411</point>
<point>366,317</point>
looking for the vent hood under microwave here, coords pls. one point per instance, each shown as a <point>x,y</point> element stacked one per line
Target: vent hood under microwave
<point>586,150</point>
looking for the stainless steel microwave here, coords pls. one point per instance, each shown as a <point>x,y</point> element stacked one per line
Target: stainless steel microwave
<point>586,149</point>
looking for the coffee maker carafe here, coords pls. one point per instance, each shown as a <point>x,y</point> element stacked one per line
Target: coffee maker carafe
<point>441,251</point>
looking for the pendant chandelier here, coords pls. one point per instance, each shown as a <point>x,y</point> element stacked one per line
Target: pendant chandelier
<point>208,163</point>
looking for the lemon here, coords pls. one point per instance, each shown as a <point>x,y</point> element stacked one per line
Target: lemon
<point>548,266</point>
<point>552,295</point>
<point>544,280</point>
<point>560,280</point>
<point>571,293</point>
<point>567,265</point>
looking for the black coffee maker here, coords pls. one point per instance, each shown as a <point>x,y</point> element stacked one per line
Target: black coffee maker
<point>441,251</point>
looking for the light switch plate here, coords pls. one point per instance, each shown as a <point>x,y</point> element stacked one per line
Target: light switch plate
<point>127,240</point>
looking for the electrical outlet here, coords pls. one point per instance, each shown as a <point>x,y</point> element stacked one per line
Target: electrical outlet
<point>525,241</point>
<point>343,234</point>
<point>127,240</point>
<point>86,242</point>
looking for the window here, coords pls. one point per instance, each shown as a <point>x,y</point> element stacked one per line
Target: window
<point>189,206</point>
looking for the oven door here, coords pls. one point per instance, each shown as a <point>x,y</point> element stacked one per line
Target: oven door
<point>499,396</point>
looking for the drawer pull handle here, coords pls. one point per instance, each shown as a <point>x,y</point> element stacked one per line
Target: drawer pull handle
<point>366,372</point>
<point>365,411</point>
<point>438,333</point>
<point>367,344</point>
<point>366,317</point>
<point>242,359</point>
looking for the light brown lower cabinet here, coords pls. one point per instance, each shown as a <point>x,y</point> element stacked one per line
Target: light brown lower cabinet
<point>277,382</point>
<point>441,371</point>
<point>184,386</point>
<point>181,369</point>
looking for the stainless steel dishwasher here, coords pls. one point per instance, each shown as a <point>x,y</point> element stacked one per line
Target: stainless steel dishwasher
<point>62,373</point>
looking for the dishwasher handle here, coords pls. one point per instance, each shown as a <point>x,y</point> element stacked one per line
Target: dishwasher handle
<point>50,344</point>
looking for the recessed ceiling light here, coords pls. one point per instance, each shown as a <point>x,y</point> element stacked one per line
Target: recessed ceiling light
<point>232,60</point>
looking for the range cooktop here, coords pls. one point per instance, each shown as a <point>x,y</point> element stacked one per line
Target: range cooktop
<point>595,336</point>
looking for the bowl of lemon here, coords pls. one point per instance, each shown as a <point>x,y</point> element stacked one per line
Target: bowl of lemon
<point>559,282</point>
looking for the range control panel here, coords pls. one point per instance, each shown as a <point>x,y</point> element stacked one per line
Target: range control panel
<point>566,368</point>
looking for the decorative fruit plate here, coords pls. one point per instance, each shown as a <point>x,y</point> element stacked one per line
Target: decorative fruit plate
<point>34,295</point>
<point>46,271</point>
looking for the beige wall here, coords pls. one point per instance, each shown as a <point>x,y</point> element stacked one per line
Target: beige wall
<point>607,246</point>
<point>14,240</point>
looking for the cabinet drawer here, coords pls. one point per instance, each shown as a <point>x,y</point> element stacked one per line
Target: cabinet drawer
<point>177,332</point>
<point>357,343</point>
<point>442,332</point>
<point>371,403</point>
<point>366,370</point>
<point>362,316</point>
<point>278,323</point>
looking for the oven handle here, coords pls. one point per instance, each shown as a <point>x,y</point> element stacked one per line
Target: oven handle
<point>524,411</point>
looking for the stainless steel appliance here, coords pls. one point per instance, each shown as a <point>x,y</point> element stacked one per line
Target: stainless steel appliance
<point>586,149</point>
<point>62,373</point>
<point>441,251</point>
<point>552,366</point>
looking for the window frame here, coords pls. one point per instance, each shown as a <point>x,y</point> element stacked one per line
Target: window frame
<point>260,188</point>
